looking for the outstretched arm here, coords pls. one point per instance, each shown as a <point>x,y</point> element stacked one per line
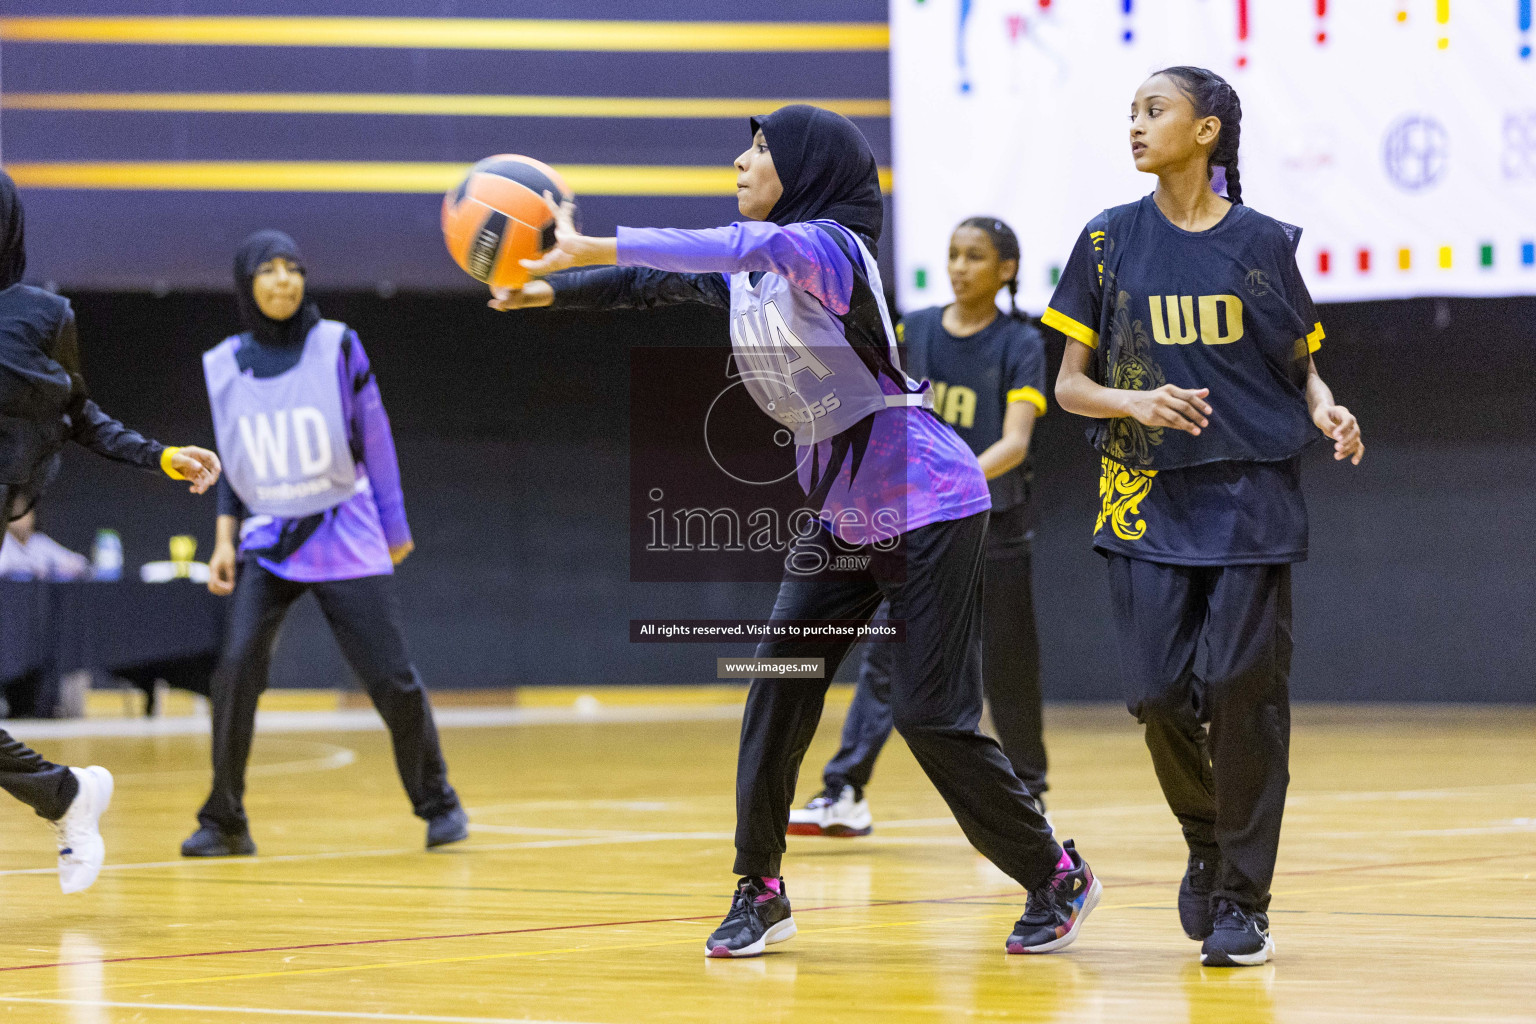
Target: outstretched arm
<point>803,254</point>
<point>91,428</point>
<point>1167,406</point>
<point>615,288</point>
<point>1333,419</point>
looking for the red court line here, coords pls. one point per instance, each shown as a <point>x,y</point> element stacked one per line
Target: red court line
<point>470,935</point>
<point>695,917</point>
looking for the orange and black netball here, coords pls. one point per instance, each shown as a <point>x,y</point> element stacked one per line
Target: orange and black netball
<point>497,216</point>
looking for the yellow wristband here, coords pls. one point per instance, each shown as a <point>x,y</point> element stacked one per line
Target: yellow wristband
<point>165,463</point>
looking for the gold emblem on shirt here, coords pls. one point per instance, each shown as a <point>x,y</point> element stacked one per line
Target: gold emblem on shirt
<point>1132,368</point>
<point>1121,492</point>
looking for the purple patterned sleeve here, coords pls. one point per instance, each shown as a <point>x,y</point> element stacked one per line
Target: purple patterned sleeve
<point>803,254</point>
<point>363,408</point>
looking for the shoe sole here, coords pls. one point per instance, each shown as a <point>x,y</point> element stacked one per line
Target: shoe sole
<point>1240,959</point>
<point>785,929</point>
<point>802,829</point>
<point>225,852</point>
<point>846,831</point>
<point>222,853</point>
<point>434,844</point>
<point>1092,900</point>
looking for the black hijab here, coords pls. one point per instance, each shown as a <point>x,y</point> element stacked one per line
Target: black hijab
<point>827,169</point>
<point>13,246</point>
<point>253,252</point>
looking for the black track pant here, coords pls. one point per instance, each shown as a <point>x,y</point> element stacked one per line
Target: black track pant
<point>364,615</point>
<point>1010,676</point>
<point>1226,786</point>
<point>935,587</point>
<point>45,787</point>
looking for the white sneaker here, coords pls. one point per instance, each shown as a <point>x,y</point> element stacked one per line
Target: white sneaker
<point>81,851</point>
<point>840,813</point>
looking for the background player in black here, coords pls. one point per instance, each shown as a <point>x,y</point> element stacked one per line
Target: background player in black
<point>1193,337</point>
<point>988,376</point>
<point>43,404</point>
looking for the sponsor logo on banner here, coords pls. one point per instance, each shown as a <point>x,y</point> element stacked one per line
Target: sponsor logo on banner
<point>1519,158</point>
<point>1416,152</point>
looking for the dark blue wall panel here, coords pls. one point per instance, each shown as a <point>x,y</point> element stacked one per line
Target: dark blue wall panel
<point>122,237</point>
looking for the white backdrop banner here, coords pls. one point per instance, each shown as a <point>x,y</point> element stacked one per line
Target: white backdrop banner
<point>1400,134</point>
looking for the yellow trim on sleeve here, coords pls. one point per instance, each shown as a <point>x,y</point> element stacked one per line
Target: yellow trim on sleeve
<point>1030,395</point>
<point>1311,343</point>
<point>1055,318</point>
<point>165,463</point>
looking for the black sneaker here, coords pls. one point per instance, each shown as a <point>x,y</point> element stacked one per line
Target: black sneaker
<point>1239,938</point>
<point>210,842</point>
<point>449,827</point>
<point>1195,890</point>
<point>759,917</point>
<point>1056,910</point>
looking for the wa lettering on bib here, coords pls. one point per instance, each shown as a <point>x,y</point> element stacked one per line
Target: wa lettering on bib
<point>282,439</point>
<point>795,360</point>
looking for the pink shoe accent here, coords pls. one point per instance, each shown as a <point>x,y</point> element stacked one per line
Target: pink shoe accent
<point>1065,864</point>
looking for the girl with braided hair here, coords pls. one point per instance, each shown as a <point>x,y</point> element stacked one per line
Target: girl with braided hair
<point>987,371</point>
<point>1190,341</point>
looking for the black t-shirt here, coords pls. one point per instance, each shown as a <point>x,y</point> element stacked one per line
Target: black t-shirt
<point>974,380</point>
<point>1226,309</point>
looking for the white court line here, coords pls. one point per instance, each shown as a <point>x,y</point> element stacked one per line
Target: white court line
<point>366,720</point>
<point>572,833</point>
<point>270,1012</point>
<point>339,757</point>
<point>288,858</point>
<point>1346,1013</point>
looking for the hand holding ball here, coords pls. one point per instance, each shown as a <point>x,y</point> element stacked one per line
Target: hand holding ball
<point>498,216</point>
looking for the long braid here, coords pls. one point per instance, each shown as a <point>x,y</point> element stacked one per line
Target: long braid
<point>1006,242</point>
<point>1213,96</point>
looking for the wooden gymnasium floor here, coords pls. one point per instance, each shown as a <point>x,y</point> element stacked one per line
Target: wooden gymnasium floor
<point>600,860</point>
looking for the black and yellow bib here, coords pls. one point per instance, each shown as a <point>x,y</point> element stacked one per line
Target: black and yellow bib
<point>1223,309</point>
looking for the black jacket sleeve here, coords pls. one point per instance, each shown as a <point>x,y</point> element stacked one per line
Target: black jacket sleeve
<point>635,288</point>
<point>94,429</point>
<point>88,425</point>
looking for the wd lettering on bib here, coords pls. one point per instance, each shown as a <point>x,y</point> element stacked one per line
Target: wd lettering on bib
<point>1174,322</point>
<point>267,438</point>
<point>282,439</point>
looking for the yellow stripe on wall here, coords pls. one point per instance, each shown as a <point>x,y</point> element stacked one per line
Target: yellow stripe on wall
<point>422,103</point>
<point>455,33</point>
<point>365,176</point>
